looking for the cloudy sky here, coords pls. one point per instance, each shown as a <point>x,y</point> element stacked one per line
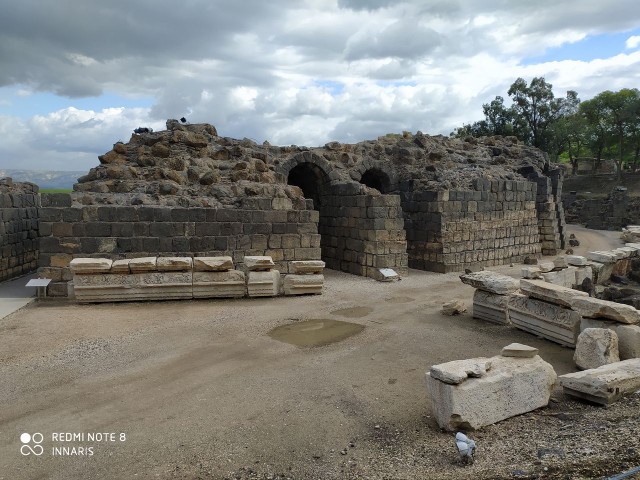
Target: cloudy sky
<point>78,75</point>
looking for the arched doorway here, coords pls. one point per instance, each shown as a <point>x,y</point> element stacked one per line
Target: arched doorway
<point>376,178</point>
<point>310,178</point>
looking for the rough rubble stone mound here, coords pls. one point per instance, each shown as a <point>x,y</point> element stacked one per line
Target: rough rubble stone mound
<point>191,165</point>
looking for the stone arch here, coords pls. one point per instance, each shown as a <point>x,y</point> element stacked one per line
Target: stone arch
<point>376,174</point>
<point>311,179</point>
<point>307,157</point>
<point>376,178</point>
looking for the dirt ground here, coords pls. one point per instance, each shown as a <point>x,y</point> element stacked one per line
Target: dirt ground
<point>200,390</point>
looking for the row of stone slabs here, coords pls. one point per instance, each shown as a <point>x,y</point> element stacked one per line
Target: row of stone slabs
<point>172,278</point>
<point>568,317</point>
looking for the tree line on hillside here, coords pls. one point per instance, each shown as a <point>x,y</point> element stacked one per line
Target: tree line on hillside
<point>604,127</point>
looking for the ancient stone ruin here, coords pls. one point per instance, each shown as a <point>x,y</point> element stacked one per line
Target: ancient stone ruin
<point>410,200</point>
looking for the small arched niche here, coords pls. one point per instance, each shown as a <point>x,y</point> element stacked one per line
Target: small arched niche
<point>310,178</point>
<point>376,178</point>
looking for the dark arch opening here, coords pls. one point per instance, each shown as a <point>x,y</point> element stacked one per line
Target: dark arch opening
<point>376,178</point>
<point>310,178</point>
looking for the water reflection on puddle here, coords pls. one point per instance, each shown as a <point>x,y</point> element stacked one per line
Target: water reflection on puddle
<point>315,333</point>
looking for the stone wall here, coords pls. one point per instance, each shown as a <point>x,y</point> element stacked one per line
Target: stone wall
<point>362,233</point>
<point>114,232</point>
<point>494,224</point>
<point>18,228</point>
<point>612,213</point>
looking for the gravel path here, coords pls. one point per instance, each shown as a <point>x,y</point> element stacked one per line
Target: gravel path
<point>200,390</point>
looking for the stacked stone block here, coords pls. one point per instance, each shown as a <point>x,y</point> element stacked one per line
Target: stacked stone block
<point>18,228</point>
<point>307,278</point>
<point>550,217</point>
<point>68,232</point>
<point>492,295</point>
<point>262,279</point>
<point>362,233</point>
<point>493,224</point>
<point>215,277</point>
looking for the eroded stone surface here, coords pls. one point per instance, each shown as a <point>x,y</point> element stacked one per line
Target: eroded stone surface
<point>263,284</point>
<point>256,263</point>
<point>553,322</point>
<point>454,307</point>
<point>519,350</point>
<point>307,266</point>
<point>595,308</point>
<point>174,264</point>
<point>143,264</point>
<point>596,347</point>
<point>576,260</point>
<point>491,282</point>
<point>303,284</point>
<point>549,292</point>
<point>458,371</point>
<point>120,266</point>
<point>605,384</point>
<point>212,284</point>
<point>511,387</point>
<point>90,265</point>
<point>212,264</point>
<point>491,307</point>
<point>628,335</point>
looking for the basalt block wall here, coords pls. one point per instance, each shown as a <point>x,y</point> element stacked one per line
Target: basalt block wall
<point>362,233</point>
<point>18,230</point>
<point>67,232</point>
<point>617,211</point>
<point>494,224</point>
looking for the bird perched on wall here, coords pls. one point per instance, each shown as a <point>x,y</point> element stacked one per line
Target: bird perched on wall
<point>183,120</point>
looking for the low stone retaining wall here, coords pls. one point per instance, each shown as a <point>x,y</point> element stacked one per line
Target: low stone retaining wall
<point>171,278</point>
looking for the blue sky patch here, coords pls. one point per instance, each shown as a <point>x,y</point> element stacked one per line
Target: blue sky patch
<point>12,103</point>
<point>590,48</point>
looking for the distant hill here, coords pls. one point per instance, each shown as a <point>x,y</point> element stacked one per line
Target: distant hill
<point>42,178</point>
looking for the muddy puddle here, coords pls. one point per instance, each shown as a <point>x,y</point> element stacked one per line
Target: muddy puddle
<point>353,312</point>
<point>399,299</point>
<point>315,333</point>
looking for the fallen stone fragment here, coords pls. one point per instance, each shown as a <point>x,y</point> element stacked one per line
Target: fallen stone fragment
<point>307,266</point>
<point>386,275</point>
<point>519,350</point>
<point>577,260</point>
<point>628,335</point>
<point>512,386</point>
<point>143,264</point>
<point>602,257</point>
<point>458,371</point>
<point>565,277</point>
<point>596,308</point>
<point>602,271</point>
<point>582,273</point>
<point>212,264</point>
<point>549,292</point>
<point>606,384</point>
<point>546,266</point>
<point>454,307</point>
<point>303,284</point>
<point>547,320</point>
<point>491,307</point>
<point>174,264</point>
<point>531,272</point>
<point>120,266</point>
<point>80,266</point>
<point>491,282</point>
<point>560,262</point>
<point>596,347</point>
<point>257,263</point>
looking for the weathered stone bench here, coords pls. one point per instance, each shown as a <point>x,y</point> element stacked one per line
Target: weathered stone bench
<point>172,278</point>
